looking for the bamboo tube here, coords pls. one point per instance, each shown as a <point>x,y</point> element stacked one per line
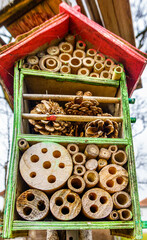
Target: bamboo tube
<point>108,64</point>
<point>121,200</point>
<point>79,170</point>
<point>125,214</point>
<point>23,144</point>
<point>113,148</point>
<point>65,204</point>
<point>35,67</point>
<point>42,63</point>
<point>26,65</point>
<point>65,69</point>
<point>33,60</point>
<point>83,71</point>
<point>72,148</point>
<point>75,64</point>
<point>99,58</point>
<point>88,62</point>
<point>70,38</point>
<point>117,73</point>
<point>58,97</point>
<point>101,163</point>
<point>51,63</point>
<point>79,53</point>
<point>105,74</point>
<point>66,47</point>
<point>79,158</point>
<point>93,74</point>
<point>91,178</point>
<point>40,54</point>
<point>91,151</point>
<point>119,158</point>
<point>113,216</point>
<point>72,118</point>
<point>91,53</point>
<point>80,45</point>
<point>104,154</point>
<point>96,203</point>
<point>91,164</point>
<point>76,184</point>
<point>64,58</point>
<point>53,51</point>
<point>98,67</point>
<point>112,68</point>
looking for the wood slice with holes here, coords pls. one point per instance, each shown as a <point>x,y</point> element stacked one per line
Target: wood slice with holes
<point>113,178</point>
<point>65,204</point>
<point>96,203</point>
<point>46,166</point>
<point>32,205</point>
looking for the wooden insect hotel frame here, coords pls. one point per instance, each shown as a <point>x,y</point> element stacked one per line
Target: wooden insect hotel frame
<point>31,85</point>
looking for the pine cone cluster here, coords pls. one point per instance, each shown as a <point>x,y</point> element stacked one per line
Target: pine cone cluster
<point>102,129</point>
<point>79,106</point>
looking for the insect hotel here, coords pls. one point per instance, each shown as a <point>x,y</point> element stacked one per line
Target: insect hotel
<point>72,163</point>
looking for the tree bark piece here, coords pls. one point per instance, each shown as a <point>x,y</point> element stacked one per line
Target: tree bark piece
<point>79,170</point>
<point>101,163</point>
<point>85,235</point>
<point>91,151</point>
<point>52,235</point>
<point>65,204</point>
<point>91,178</point>
<point>125,214</point>
<point>119,158</point>
<point>113,178</point>
<point>76,184</point>
<point>79,158</point>
<point>104,154</point>
<point>121,200</point>
<point>91,164</point>
<point>72,148</point>
<point>49,162</point>
<point>23,144</point>
<point>32,205</point>
<point>96,203</point>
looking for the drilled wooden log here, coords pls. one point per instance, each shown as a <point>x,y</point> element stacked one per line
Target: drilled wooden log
<point>113,178</point>
<point>91,151</point>
<point>79,158</point>
<point>72,148</point>
<point>121,200</point>
<point>113,216</point>
<point>101,163</point>
<point>65,204</point>
<point>113,148</point>
<point>104,154</point>
<point>79,170</point>
<point>23,144</point>
<point>119,158</point>
<point>32,205</point>
<point>49,162</point>
<point>125,214</point>
<point>96,203</point>
<point>91,178</point>
<point>76,184</point>
<point>91,164</point>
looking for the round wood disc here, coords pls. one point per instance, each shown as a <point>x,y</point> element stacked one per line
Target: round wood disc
<point>65,204</point>
<point>113,178</point>
<point>46,166</point>
<point>32,205</point>
<point>96,203</point>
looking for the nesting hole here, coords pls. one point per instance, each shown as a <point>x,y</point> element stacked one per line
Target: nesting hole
<point>75,61</point>
<point>30,197</point>
<point>44,150</point>
<point>65,47</point>
<point>83,72</point>
<point>79,158</point>
<point>76,183</point>
<point>81,44</point>
<point>112,170</point>
<point>51,179</point>
<point>105,75</point>
<point>109,62</point>
<point>72,148</point>
<point>51,62</point>
<point>27,211</point>
<point>93,75</point>
<point>91,177</point>
<point>94,208</point>
<point>65,69</point>
<point>119,180</point>
<point>125,214</point>
<point>79,54</point>
<point>103,199</point>
<point>98,65</point>
<point>46,164</point>
<point>32,174</point>
<point>65,57</point>
<point>113,148</point>
<point>92,196</point>
<point>57,154</point>
<point>114,215</point>
<point>119,157</point>
<point>61,165</point>
<point>41,205</point>
<point>122,199</point>
<point>79,170</point>
<point>118,69</point>
<point>65,210</point>
<point>21,142</point>
<point>88,61</point>
<point>59,201</point>
<point>70,198</point>
<point>92,52</point>
<point>110,183</point>
<point>34,158</point>
<point>99,58</point>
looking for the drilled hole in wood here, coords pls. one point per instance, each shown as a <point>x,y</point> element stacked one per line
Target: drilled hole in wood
<point>32,174</point>
<point>119,180</point>
<point>51,179</point>
<point>34,158</point>
<point>119,157</point>
<point>76,183</point>
<point>61,165</point>
<point>110,183</point>
<point>27,211</point>
<point>65,57</point>
<point>75,61</point>
<point>94,208</point>
<point>91,177</point>
<point>125,214</point>
<point>79,158</point>
<point>103,199</point>
<point>92,196</point>
<point>122,199</point>
<point>59,201</point>
<point>30,196</point>
<point>70,198</point>
<point>46,164</point>
<point>112,170</point>
<point>57,154</point>
<point>41,205</point>
<point>65,210</point>
<point>44,150</point>
<point>65,47</point>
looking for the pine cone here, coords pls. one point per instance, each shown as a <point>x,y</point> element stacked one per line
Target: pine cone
<point>100,128</point>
